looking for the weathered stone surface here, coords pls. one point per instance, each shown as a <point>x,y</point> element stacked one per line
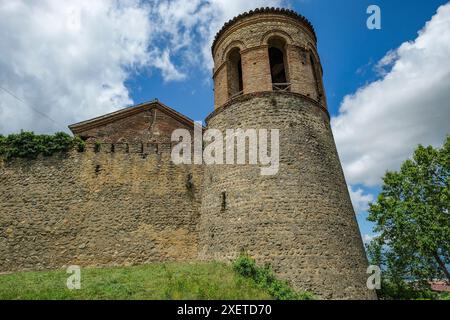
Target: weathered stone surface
<point>301,220</point>
<point>94,209</point>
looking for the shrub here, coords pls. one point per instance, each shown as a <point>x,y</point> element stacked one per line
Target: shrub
<point>2,144</point>
<point>80,144</point>
<point>444,296</point>
<point>266,279</point>
<point>402,290</point>
<point>30,145</point>
<point>97,146</point>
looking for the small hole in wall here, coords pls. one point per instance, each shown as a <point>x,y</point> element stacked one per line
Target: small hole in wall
<point>224,200</point>
<point>273,101</point>
<point>189,182</point>
<point>97,169</point>
<point>113,148</point>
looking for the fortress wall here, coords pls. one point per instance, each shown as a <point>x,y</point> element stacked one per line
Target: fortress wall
<point>129,206</point>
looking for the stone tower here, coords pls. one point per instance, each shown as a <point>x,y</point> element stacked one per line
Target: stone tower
<point>268,75</point>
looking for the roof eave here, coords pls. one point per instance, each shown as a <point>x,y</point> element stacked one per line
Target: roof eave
<point>79,127</point>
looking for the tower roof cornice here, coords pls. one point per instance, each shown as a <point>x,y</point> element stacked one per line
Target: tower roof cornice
<point>266,10</point>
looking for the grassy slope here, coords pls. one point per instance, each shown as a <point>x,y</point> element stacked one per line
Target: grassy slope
<point>155,281</point>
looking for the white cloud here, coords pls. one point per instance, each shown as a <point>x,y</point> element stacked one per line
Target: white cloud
<point>70,61</point>
<point>188,27</point>
<point>382,123</point>
<point>368,238</point>
<point>360,200</point>
<point>384,64</point>
<point>169,71</point>
<point>67,61</point>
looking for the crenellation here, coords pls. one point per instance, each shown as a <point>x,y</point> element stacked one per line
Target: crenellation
<point>127,148</point>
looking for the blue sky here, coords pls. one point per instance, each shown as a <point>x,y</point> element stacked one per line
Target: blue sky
<point>388,90</point>
<point>345,46</point>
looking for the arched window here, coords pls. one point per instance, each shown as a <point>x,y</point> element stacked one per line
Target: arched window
<point>235,84</point>
<point>278,66</point>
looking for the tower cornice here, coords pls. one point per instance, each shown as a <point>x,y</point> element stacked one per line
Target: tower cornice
<point>267,10</point>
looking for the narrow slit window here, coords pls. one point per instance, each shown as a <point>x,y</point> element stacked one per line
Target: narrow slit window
<point>224,201</point>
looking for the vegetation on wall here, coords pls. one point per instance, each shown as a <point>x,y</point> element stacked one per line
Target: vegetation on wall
<point>266,279</point>
<point>412,217</point>
<point>30,145</point>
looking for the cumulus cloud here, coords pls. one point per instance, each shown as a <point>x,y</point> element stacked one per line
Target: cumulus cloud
<point>67,61</point>
<point>168,69</point>
<point>70,62</point>
<point>381,124</point>
<point>186,28</point>
<point>368,238</point>
<point>360,199</point>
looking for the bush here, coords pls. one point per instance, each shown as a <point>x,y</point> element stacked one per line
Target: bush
<point>2,144</point>
<point>402,290</point>
<point>445,296</point>
<point>30,145</point>
<point>81,145</point>
<point>265,279</point>
<point>97,146</point>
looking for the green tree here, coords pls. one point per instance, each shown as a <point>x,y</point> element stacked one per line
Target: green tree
<point>413,222</point>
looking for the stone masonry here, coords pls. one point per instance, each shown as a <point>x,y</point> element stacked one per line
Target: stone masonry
<point>97,209</point>
<point>123,201</point>
<point>301,220</point>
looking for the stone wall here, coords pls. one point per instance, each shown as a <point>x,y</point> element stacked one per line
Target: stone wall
<point>301,220</point>
<point>130,206</point>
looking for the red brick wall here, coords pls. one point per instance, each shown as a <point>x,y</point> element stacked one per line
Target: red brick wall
<point>251,35</point>
<point>153,126</point>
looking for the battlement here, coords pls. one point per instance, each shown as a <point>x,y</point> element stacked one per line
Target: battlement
<point>143,150</point>
<point>129,148</point>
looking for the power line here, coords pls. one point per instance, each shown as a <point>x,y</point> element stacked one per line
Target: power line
<point>31,107</point>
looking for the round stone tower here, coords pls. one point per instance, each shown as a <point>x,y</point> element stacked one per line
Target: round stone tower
<point>268,75</point>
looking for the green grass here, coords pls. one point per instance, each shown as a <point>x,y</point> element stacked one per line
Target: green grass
<point>264,276</point>
<point>179,281</point>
